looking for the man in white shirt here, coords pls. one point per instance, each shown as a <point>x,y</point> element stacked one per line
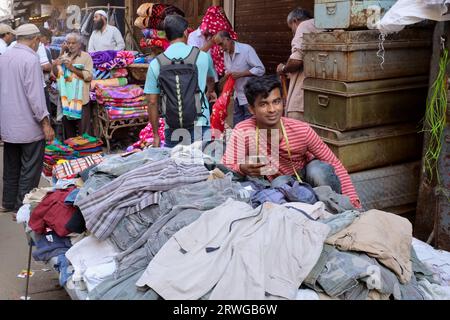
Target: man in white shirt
<point>6,37</point>
<point>104,37</point>
<point>43,59</point>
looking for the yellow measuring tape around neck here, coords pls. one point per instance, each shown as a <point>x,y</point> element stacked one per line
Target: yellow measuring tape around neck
<point>283,131</point>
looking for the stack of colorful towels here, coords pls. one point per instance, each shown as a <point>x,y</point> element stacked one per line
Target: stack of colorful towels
<point>81,149</point>
<point>55,152</point>
<point>85,145</point>
<point>122,102</point>
<point>110,68</point>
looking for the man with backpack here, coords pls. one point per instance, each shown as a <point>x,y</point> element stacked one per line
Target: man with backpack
<point>179,84</point>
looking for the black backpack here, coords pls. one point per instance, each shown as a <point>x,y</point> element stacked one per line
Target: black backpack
<point>181,99</point>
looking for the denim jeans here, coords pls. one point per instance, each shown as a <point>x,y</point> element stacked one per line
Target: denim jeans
<point>240,113</point>
<point>133,226</point>
<point>174,137</point>
<point>318,173</point>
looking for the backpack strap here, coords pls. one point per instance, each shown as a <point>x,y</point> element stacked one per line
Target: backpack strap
<point>193,56</point>
<point>163,60</point>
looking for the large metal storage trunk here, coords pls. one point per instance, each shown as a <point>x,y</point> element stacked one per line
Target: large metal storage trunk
<point>388,187</point>
<point>352,55</point>
<point>349,14</point>
<point>351,105</point>
<point>365,149</point>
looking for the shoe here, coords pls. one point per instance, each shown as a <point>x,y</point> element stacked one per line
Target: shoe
<point>2,210</point>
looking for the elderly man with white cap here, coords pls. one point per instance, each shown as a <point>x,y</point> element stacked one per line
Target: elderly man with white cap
<point>6,37</point>
<point>104,37</point>
<point>24,119</point>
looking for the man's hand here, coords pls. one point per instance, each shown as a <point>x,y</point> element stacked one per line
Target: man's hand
<point>234,75</point>
<point>69,65</point>
<point>252,170</point>
<point>58,62</point>
<point>280,68</point>
<point>49,133</point>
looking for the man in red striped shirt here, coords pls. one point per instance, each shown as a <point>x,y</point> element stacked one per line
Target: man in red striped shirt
<point>271,145</point>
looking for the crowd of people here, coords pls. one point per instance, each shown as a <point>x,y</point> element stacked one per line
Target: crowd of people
<point>268,138</point>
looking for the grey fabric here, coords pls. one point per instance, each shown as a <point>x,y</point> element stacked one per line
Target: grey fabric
<point>115,166</point>
<point>420,270</point>
<point>123,288</point>
<point>132,227</point>
<point>339,222</point>
<point>179,208</point>
<point>350,276</point>
<point>133,191</point>
<point>335,203</point>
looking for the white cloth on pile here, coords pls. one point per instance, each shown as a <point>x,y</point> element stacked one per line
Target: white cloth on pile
<point>307,294</point>
<point>238,252</point>
<point>24,213</point>
<point>438,261</point>
<point>315,211</point>
<point>433,291</point>
<point>92,260</point>
<point>406,12</point>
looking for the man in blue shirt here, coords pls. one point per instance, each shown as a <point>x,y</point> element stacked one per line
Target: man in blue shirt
<point>176,32</point>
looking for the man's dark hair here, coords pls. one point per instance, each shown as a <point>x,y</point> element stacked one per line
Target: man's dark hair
<point>174,26</point>
<point>299,14</point>
<point>260,86</point>
<point>46,33</point>
<point>224,34</point>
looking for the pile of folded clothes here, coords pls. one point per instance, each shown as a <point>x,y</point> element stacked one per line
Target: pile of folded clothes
<point>85,145</point>
<point>110,68</point>
<point>55,152</point>
<point>63,160</point>
<point>150,20</point>
<point>154,38</point>
<point>123,102</point>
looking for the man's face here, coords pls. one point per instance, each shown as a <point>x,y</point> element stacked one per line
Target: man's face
<point>73,45</point>
<point>9,37</point>
<point>268,111</point>
<point>35,43</point>
<point>293,26</point>
<point>99,22</point>
<point>45,41</point>
<point>224,43</point>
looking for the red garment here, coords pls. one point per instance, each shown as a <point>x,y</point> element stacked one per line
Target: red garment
<point>52,213</point>
<point>214,21</point>
<point>160,43</point>
<point>219,113</point>
<point>159,13</point>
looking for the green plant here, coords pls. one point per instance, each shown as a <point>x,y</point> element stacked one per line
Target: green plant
<point>435,118</point>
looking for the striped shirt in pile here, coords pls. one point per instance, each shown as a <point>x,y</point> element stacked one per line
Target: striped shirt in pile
<point>304,144</point>
<point>134,191</point>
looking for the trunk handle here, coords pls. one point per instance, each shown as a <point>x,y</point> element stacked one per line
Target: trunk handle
<point>331,8</point>
<point>323,100</point>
